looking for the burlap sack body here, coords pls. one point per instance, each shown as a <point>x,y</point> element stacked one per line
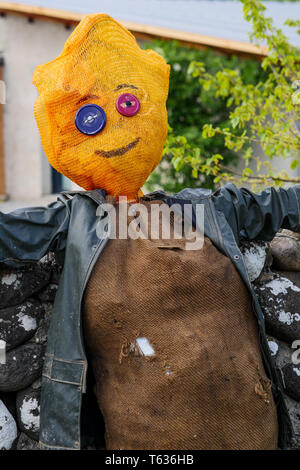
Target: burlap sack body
<point>204,384</point>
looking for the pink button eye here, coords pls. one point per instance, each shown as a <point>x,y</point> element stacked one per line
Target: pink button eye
<point>128,104</point>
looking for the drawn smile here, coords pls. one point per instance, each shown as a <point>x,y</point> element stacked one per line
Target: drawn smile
<point>117,152</point>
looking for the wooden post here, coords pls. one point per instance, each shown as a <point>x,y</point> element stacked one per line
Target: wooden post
<point>2,162</point>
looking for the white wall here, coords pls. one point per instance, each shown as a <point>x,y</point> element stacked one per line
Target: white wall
<point>25,45</point>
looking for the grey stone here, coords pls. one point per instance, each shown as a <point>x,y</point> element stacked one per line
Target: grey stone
<point>273,346</point>
<point>293,276</point>
<point>28,411</point>
<point>48,294</point>
<point>55,273</point>
<point>280,301</point>
<point>285,249</point>
<point>50,262</point>
<point>18,285</point>
<point>8,428</point>
<point>291,376</point>
<point>23,366</point>
<point>19,323</point>
<point>280,351</point>
<point>48,259</point>
<point>25,443</point>
<point>48,307</point>
<point>37,384</point>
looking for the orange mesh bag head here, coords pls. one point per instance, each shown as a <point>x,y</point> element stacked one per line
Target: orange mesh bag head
<point>100,61</point>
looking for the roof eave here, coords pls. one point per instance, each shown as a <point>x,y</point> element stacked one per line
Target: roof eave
<point>141,31</point>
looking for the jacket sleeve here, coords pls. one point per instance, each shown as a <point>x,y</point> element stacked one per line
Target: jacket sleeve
<point>259,216</point>
<point>28,234</point>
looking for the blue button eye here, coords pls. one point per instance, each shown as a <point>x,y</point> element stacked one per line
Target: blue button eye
<point>90,119</point>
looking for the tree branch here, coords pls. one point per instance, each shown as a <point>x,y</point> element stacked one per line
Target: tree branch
<point>259,177</point>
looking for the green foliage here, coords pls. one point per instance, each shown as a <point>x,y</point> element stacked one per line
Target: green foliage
<point>190,107</point>
<point>260,112</point>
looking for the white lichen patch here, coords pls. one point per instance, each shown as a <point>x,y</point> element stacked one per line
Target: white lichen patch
<point>287,317</point>
<point>280,286</point>
<point>30,420</point>
<point>145,347</point>
<point>9,279</point>
<point>254,257</point>
<point>273,346</point>
<point>8,428</point>
<point>27,322</point>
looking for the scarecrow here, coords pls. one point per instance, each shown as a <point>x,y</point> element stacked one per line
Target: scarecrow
<point>172,339</point>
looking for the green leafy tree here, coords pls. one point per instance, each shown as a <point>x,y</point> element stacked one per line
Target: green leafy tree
<point>190,107</point>
<point>263,115</point>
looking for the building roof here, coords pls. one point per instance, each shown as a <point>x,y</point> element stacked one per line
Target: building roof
<point>212,23</point>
